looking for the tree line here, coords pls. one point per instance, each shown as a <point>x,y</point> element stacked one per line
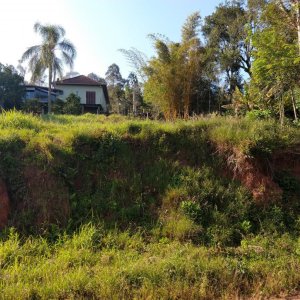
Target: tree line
<point>243,58</point>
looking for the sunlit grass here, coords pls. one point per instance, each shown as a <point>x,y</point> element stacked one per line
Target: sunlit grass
<point>94,263</point>
<point>172,226</point>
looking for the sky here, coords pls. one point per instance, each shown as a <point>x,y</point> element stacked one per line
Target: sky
<point>97,28</point>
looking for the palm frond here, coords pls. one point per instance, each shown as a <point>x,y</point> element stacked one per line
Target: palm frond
<point>47,55</point>
<point>43,56</point>
<point>68,60</point>
<point>31,51</point>
<point>50,33</point>
<point>33,61</point>
<point>68,47</point>
<point>57,67</point>
<point>37,70</point>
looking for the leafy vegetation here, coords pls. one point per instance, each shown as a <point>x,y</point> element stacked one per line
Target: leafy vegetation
<point>50,55</point>
<point>11,87</point>
<point>94,263</point>
<point>206,208</point>
<point>132,208</point>
<point>72,105</point>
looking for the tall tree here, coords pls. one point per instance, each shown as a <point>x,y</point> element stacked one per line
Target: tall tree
<point>50,54</point>
<point>137,60</point>
<point>226,33</point>
<point>12,89</point>
<point>291,10</point>
<point>175,73</point>
<point>133,92</point>
<point>276,66</point>
<point>115,87</point>
<point>96,78</point>
<point>113,76</point>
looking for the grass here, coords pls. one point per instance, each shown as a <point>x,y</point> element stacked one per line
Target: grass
<point>96,264</point>
<point>174,222</point>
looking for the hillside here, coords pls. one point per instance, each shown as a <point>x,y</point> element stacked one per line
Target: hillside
<point>126,208</point>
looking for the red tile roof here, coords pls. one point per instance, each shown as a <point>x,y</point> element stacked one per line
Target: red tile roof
<point>78,80</point>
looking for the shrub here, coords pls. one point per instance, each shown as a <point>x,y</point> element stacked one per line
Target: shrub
<point>192,210</point>
<point>256,114</point>
<point>72,105</point>
<point>178,226</point>
<point>33,106</point>
<point>58,106</point>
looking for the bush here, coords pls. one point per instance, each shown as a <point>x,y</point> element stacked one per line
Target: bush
<point>58,106</point>
<point>33,106</point>
<point>72,105</point>
<point>259,114</point>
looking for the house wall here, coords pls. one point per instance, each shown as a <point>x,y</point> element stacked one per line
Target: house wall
<point>42,96</point>
<point>81,92</point>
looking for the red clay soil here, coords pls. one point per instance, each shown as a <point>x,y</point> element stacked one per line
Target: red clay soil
<point>256,176</point>
<point>4,204</point>
<point>252,174</point>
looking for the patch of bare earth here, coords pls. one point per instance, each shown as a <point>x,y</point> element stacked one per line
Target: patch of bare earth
<point>252,174</point>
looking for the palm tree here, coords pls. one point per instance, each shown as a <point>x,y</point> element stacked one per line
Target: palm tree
<point>45,56</point>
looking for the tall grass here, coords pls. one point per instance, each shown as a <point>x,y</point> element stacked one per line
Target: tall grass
<point>173,222</point>
<point>97,264</point>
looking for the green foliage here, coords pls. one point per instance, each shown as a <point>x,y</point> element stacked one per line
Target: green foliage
<point>177,81</point>
<point>32,106</point>
<point>164,219</point>
<point>258,114</point>
<point>12,88</point>
<point>58,106</point>
<point>276,63</point>
<point>94,263</point>
<point>191,209</point>
<point>226,32</point>
<point>72,105</point>
<point>50,54</point>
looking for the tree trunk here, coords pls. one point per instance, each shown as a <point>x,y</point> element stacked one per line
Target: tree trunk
<point>49,90</point>
<point>209,101</point>
<point>134,100</point>
<point>297,3</point>
<point>281,111</point>
<point>294,105</point>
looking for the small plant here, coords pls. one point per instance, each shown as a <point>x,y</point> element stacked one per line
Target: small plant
<point>246,226</point>
<point>192,210</point>
<point>259,114</point>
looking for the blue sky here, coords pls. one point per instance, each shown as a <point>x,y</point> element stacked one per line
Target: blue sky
<point>98,28</point>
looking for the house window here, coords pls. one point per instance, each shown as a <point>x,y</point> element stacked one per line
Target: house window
<point>90,97</point>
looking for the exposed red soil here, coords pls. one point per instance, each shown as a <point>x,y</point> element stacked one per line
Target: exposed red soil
<point>257,179</point>
<point>4,204</point>
<point>252,174</point>
<point>256,175</point>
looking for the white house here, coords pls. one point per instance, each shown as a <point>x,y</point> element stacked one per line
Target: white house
<point>93,95</point>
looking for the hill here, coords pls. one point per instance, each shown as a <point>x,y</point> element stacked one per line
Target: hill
<point>120,208</point>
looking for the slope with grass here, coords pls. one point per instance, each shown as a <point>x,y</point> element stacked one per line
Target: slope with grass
<point>207,208</point>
